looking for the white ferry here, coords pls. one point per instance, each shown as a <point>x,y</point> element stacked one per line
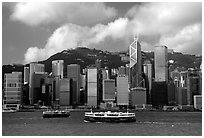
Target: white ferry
<point>56,113</point>
<point>109,117</point>
<point>8,110</point>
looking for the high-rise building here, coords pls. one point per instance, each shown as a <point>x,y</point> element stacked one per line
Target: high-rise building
<point>193,87</point>
<point>26,75</point>
<point>159,94</point>
<point>64,92</point>
<point>57,68</point>
<point>13,90</point>
<point>147,67</point>
<point>73,73</point>
<point>161,63</point>
<point>135,64</point>
<point>122,90</point>
<point>34,67</point>
<point>92,86</point>
<point>38,82</point>
<point>108,90</point>
<point>137,96</point>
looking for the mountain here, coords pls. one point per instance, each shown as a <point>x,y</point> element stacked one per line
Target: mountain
<point>85,57</point>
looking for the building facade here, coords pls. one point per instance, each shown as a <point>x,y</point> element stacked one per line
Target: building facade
<point>161,63</point>
<point>122,90</point>
<point>57,68</point>
<point>73,73</point>
<point>13,90</point>
<point>34,67</point>
<point>92,86</point>
<point>108,90</point>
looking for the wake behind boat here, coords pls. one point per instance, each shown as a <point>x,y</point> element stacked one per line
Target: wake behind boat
<point>109,117</point>
<point>56,113</point>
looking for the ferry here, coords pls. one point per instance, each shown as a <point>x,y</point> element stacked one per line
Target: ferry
<point>109,117</point>
<point>56,113</point>
<point>8,110</point>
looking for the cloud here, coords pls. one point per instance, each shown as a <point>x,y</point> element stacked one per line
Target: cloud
<point>171,24</point>
<point>177,25</point>
<point>71,36</point>
<point>34,14</point>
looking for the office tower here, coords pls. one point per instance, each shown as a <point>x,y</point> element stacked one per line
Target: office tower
<point>57,68</point>
<point>193,87</point>
<point>123,70</point>
<point>34,67</point>
<point>161,63</point>
<point>38,82</point>
<point>198,102</point>
<point>159,93</point>
<point>147,67</point>
<point>135,63</point>
<point>92,86</point>
<point>26,75</point>
<point>138,96</point>
<point>171,89</point>
<point>83,90</point>
<point>12,90</point>
<point>108,90</point>
<point>122,90</point>
<point>73,73</point>
<point>182,96</point>
<point>64,92</point>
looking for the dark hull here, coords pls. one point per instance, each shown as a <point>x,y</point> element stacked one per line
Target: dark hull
<point>55,115</point>
<point>110,119</point>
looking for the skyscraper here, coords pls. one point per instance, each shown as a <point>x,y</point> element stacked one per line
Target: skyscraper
<point>73,73</point>
<point>108,90</point>
<point>92,86</point>
<point>34,67</point>
<point>161,63</point>
<point>13,90</point>
<point>135,63</point>
<point>147,66</point>
<point>57,68</point>
<point>122,90</point>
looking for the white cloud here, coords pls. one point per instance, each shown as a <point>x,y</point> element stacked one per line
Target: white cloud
<point>168,23</point>
<point>71,36</point>
<point>34,14</point>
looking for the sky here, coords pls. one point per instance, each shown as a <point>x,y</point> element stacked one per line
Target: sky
<point>35,31</point>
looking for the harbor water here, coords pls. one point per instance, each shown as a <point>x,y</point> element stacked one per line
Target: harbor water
<point>149,123</point>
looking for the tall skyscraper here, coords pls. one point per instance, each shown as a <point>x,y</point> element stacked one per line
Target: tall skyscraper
<point>13,90</point>
<point>135,63</point>
<point>161,63</point>
<point>64,92</point>
<point>147,67</point>
<point>92,86</point>
<point>108,90</point>
<point>122,90</point>
<point>73,73</point>
<point>57,68</point>
<point>34,67</point>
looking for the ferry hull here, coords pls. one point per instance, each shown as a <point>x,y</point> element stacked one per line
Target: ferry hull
<point>110,119</point>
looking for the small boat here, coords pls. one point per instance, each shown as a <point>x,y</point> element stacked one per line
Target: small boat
<point>56,113</point>
<point>109,117</point>
<point>8,110</point>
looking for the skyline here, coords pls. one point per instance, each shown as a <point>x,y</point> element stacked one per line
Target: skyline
<point>28,37</point>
